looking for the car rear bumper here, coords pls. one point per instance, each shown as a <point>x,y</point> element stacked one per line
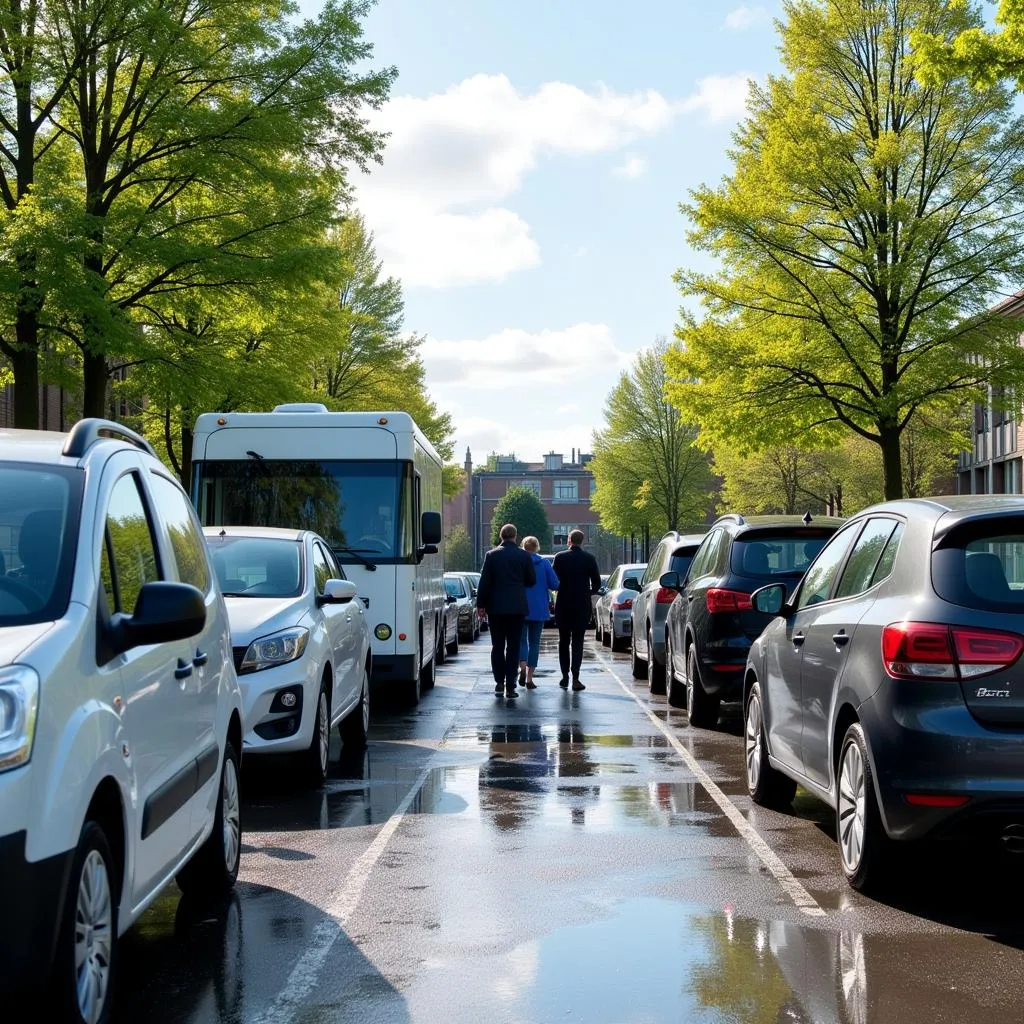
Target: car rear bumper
<point>33,897</point>
<point>722,666</point>
<point>941,750</point>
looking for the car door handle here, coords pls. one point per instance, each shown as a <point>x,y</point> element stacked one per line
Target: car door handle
<point>840,638</point>
<point>798,640</point>
<point>184,669</point>
<point>200,659</point>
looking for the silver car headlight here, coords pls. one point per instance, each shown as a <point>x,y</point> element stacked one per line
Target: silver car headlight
<point>19,704</point>
<point>276,649</point>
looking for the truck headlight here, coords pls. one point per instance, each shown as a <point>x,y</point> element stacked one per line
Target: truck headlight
<point>19,703</point>
<point>276,649</point>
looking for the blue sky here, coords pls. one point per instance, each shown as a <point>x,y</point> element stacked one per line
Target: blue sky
<point>529,195</point>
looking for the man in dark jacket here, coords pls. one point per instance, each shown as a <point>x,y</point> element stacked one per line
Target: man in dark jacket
<point>506,574</point>
<point>578,579</point>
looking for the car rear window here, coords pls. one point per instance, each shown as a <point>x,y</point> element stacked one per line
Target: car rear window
<point>770,553</point>
<point>981,565</point>
<point>681,560</point>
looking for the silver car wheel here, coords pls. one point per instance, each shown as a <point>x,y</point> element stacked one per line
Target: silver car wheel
<point>323,725</point>
<point>94,939</point>
<point>231,815</point>
<point>752,740</point>
<point>366,704</point>
<point>852,807</point>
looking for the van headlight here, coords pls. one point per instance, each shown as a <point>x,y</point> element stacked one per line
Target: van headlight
<point>19,703</point>
<point>276,649</point>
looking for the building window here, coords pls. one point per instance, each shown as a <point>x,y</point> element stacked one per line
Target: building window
<point>530,485</point>
<point>560,534</point>
<point>566,490</point>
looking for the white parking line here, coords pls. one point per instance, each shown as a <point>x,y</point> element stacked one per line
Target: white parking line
<point>768,857</point>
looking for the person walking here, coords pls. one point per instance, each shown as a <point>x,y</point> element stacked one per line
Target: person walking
<point>505,576</point>
<point>538,600</point>
<point>578,580</point>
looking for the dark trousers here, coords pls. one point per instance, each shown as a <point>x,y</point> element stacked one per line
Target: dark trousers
<point>570,650</point>
<point>506,637</point>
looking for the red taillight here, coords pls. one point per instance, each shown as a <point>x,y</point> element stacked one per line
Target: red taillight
<point>927,650</point>
<point>934,800</point>
<point>720,600</point>
<point>666,595</point>
<point>620,605</point>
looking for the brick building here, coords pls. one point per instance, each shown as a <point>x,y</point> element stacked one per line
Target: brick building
<point>53,408</point>
<point>993,466</point>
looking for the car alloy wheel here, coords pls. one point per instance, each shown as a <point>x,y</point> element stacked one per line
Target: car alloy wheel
<point>852,807</point>
<point>231,816</point>
<point>323,725</point>
<point>752,741</point>
<point>94,937</point>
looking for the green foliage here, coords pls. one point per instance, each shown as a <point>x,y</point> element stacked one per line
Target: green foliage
<point>521,507</point>
<point>458,551</point>
<point>453,480</point>
<point>648,471</point>
<point>866,222</point>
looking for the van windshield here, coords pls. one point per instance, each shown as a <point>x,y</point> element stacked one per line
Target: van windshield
<point>363,509</point>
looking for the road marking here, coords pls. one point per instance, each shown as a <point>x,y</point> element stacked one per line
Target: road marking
<point>294,997</point>
<point>804,901</point>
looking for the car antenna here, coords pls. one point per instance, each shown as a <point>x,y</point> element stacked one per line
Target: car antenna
<point>807,517</point>
<point>223,533</point>
<point>255,455</point>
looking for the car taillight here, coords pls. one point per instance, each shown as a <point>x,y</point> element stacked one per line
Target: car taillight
<point>721,600</point>
<point>620,605</point>
<point>666,595</point>
<point>927,650</point>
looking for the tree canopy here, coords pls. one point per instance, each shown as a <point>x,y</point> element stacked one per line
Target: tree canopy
<point>521,507</point>
<point>649,473</point>
<point>458,551</point>
<point>866,222</point>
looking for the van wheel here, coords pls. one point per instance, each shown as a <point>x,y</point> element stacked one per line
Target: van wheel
<point>701,707</point>
<point>318,752</point>
<point>767,787</point>
<point>86,955</point>
<point>355,726</point>
<point>638,665</point>
<point>428,674</point>
<point>864,848</point>
<point>453,648</point>
<point>214,868</point>
<point>655,672</point>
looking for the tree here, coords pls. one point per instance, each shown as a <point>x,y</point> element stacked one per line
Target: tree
<point>984,57</point>
<point>649,473</point>
<point>867,221</point>
<point>458,551</point>
<point>521,507</point>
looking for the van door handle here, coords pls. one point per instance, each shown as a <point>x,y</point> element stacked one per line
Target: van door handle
<point>184,669</point>
<point>841,638</point>
<point>200,659</point>
<point>798,640</point>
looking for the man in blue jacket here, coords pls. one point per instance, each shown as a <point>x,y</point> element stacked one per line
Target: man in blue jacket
<point>506,574</point>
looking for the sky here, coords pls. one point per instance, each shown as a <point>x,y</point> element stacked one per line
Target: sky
<point>529,193</point>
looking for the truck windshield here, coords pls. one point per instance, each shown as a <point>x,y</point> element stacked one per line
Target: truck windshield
<point>362,509</point>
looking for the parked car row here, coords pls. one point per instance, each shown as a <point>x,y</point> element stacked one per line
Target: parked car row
<point>877,659</point>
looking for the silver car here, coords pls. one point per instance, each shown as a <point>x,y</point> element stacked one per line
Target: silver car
<point>674,553</point>
<point>614,608</point>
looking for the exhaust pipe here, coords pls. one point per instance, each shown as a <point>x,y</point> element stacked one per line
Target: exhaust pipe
<point>1013,838</point>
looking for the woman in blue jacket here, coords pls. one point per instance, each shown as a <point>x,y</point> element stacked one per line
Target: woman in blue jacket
<point>538,614</point>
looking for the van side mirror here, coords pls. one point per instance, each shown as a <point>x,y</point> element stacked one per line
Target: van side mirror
<point>164,612</point>
<point>770,600</point>
<point>430,529</point>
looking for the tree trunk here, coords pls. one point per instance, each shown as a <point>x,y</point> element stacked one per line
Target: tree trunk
<point>94,384</point>
<point>25,364</point>
<point>892,461</point>
<point>186,458</point>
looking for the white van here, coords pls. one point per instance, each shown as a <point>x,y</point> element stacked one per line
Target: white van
<point>370,484</point>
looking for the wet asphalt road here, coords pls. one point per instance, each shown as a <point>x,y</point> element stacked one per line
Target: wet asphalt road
<point>563,858</point>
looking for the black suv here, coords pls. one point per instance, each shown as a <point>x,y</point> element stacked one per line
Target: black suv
<point>712,623</point>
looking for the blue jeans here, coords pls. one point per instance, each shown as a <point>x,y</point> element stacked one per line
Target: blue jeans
<point>529,649</point>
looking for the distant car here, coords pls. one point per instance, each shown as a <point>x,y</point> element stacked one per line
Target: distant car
<point>594,599</point>
<point>552,594</point>
<point>301,642</point>
<point>461,593</point>
<point>614,609</point>
<point>712,623</point>
<point>120,716</point>
<point>474,578</point>
<point>674,553</point>
<point>889,682</point>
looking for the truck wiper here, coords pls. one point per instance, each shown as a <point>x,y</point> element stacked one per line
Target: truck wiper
<point>357,554</point>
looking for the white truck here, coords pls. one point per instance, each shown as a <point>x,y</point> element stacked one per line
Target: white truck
<point>370,484</point>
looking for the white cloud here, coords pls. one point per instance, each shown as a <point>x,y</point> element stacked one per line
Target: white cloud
<point>634,167</point>
<point>566,410</point>
<point>719,97</point>
<point>580,252</point>
<point>453,157</point>
<point>745,17</point>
